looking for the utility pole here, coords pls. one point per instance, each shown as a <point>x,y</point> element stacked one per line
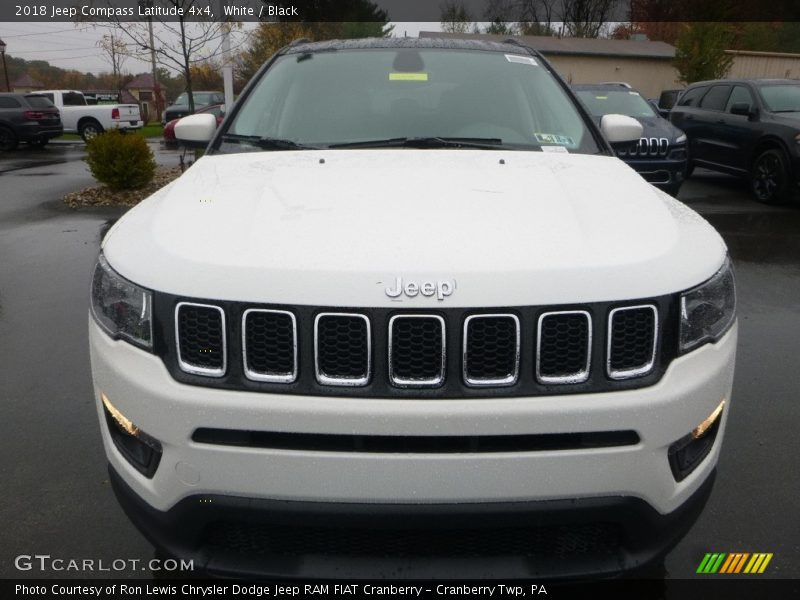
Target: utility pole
<point>227,67</point>
<point>5,66</point>
<point>156,87</point>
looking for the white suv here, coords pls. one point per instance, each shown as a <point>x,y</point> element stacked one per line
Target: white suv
<point>409,315</point>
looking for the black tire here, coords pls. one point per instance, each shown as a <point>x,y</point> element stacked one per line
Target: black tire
<point>8,140</point>
<point>769,177</point>
<point>90,129</point>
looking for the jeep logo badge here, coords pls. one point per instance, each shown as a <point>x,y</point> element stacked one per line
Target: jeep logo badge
<point>440,289</point>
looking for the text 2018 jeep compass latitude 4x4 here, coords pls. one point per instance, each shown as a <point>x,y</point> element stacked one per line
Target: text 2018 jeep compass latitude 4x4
<point>409,312</point>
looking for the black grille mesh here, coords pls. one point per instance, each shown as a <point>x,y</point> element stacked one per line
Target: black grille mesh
<point>270,344</point>
<point>564,344</point>
<point>491,348</point>
<point>342,346</point>
<point>552,542</point>
<point>417,348</point>
<point>200,333</point>
<point>632,334</point>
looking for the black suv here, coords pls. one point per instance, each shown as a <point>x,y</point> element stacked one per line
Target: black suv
<point>180,108</point>
<point>27,118</point>
<point>745,127</point>
<point>660,155</point>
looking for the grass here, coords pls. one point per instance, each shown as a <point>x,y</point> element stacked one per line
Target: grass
<point>151,130</point>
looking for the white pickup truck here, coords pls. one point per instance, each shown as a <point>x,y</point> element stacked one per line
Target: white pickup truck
<point>89,121</point>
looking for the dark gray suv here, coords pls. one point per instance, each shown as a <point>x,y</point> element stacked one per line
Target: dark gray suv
<point>746,127</point>
<point>27,118</point>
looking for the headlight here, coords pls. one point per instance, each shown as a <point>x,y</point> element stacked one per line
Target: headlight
<point>680,139</point>
<point>708,310</point>
<point>122,308</point>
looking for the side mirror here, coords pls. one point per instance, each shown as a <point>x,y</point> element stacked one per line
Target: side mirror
<point>196,130</point>
<point>742,109</point>
<point>620,128</point>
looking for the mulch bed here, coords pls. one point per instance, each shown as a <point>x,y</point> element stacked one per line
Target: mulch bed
<point>102,196</point>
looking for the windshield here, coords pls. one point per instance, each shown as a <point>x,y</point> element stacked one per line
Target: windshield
<point>200,99</point>
<point>622,102</point>
<point>781,98</point>
<point>355,96</point>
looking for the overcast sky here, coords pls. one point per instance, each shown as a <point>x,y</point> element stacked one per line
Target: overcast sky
<point>69,46</point>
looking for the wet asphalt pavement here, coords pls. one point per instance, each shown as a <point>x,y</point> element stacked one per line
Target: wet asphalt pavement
<point>56,495</point>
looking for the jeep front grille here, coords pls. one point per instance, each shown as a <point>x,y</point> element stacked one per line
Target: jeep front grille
<point>200,332</point>
<point>342,349</point>
<point>385,352</point>
<point>646,147</point>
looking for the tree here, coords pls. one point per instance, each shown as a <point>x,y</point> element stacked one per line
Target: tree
<point>178,44</point>
<point>116,53</point>
<point>586,18</point>
<point>700,51</point>
<point>321,20</point>
<point>501,15</point>
<point>454,17</point>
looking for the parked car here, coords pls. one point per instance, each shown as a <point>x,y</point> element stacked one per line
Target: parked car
<point>660,155</point>
<point>180,108</point>
<point>88,121</point>
<point>409,288</point>
<point>667,100</point>
<point>218,110</point>
<point>745,127</point>
<point>27,118</point>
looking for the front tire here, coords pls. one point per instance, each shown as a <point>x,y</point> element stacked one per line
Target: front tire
<point>90,130</point>
<point>8,140</point>
<point>769,177</point>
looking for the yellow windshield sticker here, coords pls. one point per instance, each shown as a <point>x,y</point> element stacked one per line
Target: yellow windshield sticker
<point>601,97</point>
<point>408,77</point>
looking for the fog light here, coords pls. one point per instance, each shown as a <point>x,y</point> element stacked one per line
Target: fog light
<point>689,451</point>
<point>142,451</point>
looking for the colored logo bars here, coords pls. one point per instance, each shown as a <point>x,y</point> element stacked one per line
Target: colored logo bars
<point>741,562</point>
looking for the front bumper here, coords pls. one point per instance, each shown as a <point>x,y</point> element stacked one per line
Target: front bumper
<point>270,481</point>
<point>663,173</point>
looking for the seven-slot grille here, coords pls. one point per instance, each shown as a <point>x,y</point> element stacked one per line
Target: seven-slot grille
<point>519,351</point>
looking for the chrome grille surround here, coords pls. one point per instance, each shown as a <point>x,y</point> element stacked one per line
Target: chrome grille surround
<point>418,383</point>
<point>638,371</point>
<point>269,377</point>
<point>512,378</point>
<point>342,381</point>
<point>195,369</point>
<point>577,377</point>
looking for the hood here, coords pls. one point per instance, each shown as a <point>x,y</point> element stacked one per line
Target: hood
<point>338,227</point>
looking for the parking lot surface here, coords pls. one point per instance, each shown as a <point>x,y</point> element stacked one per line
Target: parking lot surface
<point>57,499</point>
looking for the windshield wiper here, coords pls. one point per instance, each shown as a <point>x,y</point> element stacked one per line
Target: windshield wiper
<point>426,142</point>
<point>267,143</point>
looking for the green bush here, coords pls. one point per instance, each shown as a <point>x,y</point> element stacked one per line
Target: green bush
<point>122,162</point>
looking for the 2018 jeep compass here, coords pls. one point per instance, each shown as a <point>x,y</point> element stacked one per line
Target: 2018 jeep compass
<point>410,312</point>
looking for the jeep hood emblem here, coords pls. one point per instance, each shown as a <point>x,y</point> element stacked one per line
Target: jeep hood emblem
<point>441,289</point>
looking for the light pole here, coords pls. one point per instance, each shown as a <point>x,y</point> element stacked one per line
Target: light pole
<point>5,67</point>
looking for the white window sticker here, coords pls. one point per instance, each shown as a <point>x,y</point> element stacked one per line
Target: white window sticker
<point>523,60</point>
<point>557,149</point>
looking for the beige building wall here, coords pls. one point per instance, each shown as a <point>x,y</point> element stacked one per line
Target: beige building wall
<point>753,65</point>
<point>648,75</point>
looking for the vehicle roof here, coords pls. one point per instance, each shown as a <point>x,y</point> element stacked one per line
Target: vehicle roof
<point>755,81</point>
<point>300,47</point>
<point>606,87</point>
